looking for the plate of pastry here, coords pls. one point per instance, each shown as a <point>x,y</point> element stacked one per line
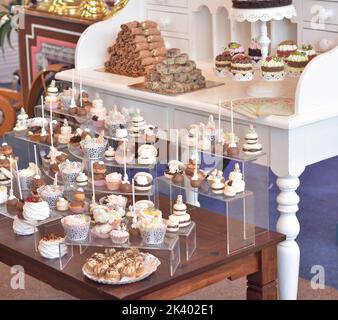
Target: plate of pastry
<point>120,267</point>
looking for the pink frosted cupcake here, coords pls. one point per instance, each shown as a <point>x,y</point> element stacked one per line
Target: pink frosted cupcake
<point>120,235</point>
<point>113,181</point>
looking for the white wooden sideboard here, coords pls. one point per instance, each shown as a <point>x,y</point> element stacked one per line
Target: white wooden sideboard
<point>294,142</point>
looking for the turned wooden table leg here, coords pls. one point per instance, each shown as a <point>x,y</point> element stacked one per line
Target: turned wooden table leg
<point>262,285</point>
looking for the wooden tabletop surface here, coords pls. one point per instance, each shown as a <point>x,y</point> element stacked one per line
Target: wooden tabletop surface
<point>210,255</point>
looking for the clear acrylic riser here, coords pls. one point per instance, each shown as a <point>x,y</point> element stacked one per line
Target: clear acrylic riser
<point>99,190</point>
<point>54,216</point>
<point>58,113</point>
<point>238,213</point>
<point>25,138</point>
<point>255,169</point>
<point>77,153</point>
<point>86,121</point>
<point>168,251</point>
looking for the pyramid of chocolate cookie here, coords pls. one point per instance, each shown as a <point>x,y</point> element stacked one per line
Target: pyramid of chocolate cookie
<point>138,47</point>
<point>176,74</point>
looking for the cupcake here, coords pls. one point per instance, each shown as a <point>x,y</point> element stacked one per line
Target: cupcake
<point>223,61</point>
<point>69,171</point>
<point>76,227</point>
<point>27,175</point>
<point>94,148</point>
<point>296,63</point>
<point>62,205</point>
<point>235,48</point>
<point>241,67</point>
<point>285,48</point>
<point>255,51</point>
<point>102,231</point>
<point>115,202</point>
<point>309,51</point>
<point>113,181</point>
<point>152,227</point>
<point>120,235</point>
<point>6,149</point>
<point>143,181</point>
<point>50,194</point>
<point>147,154</point>
<point>99,167</point>
<point>273,68</point>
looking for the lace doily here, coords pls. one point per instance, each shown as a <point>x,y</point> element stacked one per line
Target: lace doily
<point>253,15</point>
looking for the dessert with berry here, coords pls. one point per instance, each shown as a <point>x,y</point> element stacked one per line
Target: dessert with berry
<point>309,51</point>
<point>255,51</point>
<point>285,48</point>
<point>273,68</point>
<point>297,62</point>
<point>235,48</point>
<point>223,61</point>
<point>241,67</point>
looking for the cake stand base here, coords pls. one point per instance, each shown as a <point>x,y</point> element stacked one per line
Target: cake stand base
<point>266,89</point>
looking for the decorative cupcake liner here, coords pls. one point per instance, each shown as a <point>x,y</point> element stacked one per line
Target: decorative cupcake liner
<point>153,235</point>
<point>77,233</point>
<point>26,182</point>
<point>93,153</point>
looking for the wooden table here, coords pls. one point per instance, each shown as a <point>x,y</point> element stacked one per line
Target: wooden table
<point>208,265</point>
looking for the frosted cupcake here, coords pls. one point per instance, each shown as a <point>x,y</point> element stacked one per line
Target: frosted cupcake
<point>69,171</point>
<point>309,51</point>
<point>152,227</point>
<point>52,100</point>
<point>120,235</point>
<point>113,181</point>
<point>26,176</point>
<point>235,48</point>
<point>273,69</point>
<point>50,194</point>
<point>94,148</point>
<point>296,63</point>
<point>76,227</point>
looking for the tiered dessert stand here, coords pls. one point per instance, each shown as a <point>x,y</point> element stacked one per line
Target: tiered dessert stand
<point>263,16</point>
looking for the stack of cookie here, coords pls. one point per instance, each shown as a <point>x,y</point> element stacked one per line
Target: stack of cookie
<point>139,46</point>
<point>176,74</point>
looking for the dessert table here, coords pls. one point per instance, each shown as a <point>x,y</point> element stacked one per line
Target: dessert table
<point>292,142</point>
<point>208,265</point>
